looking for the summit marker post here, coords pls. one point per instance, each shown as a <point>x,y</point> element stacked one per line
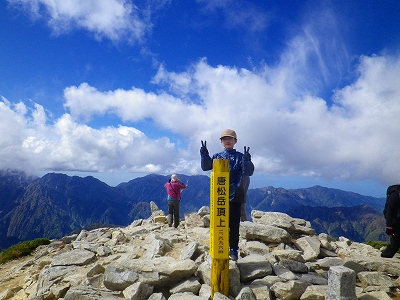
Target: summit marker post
<point>219,226</point>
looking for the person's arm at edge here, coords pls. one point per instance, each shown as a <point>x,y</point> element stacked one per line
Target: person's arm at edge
<point>391,208</point>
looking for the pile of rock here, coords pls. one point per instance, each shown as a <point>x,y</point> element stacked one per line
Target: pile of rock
<point>280,258</point>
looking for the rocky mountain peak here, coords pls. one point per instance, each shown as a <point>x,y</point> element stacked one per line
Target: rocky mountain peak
<point>280,258</point>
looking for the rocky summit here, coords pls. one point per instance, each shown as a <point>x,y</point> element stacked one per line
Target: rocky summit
<point>280,257</point>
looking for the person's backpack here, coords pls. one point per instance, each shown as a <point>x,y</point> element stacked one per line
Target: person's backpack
<point>395,188</point>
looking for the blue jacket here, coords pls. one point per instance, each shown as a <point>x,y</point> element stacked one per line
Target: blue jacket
<point>238,166</point>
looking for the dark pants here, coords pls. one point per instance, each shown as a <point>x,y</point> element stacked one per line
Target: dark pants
<point>393,247</point>
<point>234,224</point>
<point>243,215</point>
<point>173,213</point>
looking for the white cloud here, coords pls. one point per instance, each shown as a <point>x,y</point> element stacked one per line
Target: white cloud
<point>112,19</point>
<point>354,137</point>
<point>28,143</point>
<point>67,145</point>
<point>12,123</point>
<point>316,57</point>
<point>350,138</point>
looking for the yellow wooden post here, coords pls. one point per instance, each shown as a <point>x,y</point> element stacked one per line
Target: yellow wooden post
<point>219,226</point>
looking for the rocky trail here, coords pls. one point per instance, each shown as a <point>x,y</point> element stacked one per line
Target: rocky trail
<point>280,258</point>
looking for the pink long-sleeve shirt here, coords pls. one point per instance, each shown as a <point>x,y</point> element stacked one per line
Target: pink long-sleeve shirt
<point>174,189</point>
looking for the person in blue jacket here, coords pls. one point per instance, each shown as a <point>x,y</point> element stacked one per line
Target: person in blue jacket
<point>239,164</point>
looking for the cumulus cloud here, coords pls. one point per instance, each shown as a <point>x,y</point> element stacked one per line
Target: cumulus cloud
<point>12,123</point>
<point>29,143</point>
<point>355,136</point>
<point>112,19</point>
<point>351,137</point>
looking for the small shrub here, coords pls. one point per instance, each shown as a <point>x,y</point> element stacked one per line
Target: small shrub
<point>376,244</point>
<point>22,249</point>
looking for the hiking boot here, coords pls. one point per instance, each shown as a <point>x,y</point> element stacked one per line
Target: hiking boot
<point>233,254</point>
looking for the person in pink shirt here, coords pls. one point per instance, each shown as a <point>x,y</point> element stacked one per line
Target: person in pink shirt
<point>174,187</point>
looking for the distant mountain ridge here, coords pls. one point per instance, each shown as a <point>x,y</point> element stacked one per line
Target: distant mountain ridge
<point>56,204</point>
<point>362,222</point>
<point>280,199</point>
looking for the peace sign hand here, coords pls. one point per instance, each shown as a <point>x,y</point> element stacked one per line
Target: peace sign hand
<point>203,149</point>
<point>246,153</point>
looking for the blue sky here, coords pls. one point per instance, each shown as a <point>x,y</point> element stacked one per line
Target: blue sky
<point>120,89</point>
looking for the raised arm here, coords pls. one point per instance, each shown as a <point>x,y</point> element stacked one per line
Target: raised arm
<point>248,166</point>
<point>206,161</point>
